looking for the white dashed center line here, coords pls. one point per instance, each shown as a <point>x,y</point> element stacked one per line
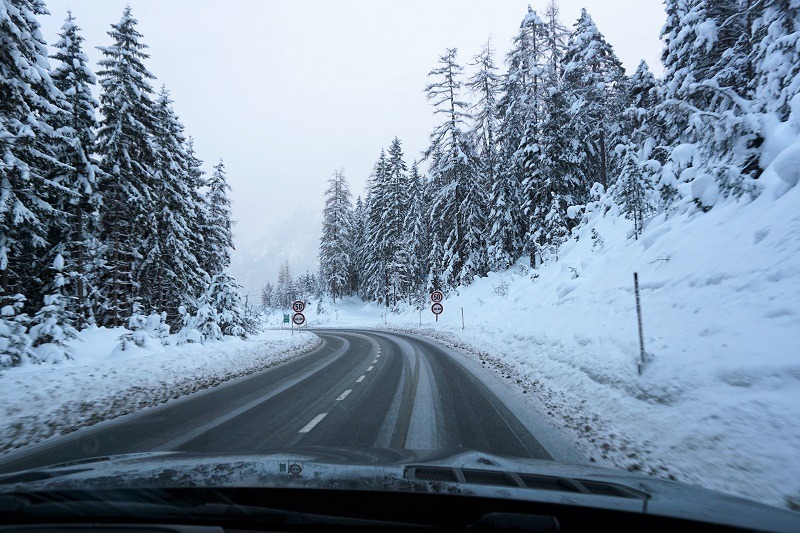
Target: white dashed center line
<point>317,419</point>
<point>359,380</point>
<point>370,368</point>
<point>344,394</point>
<point>375,361</point>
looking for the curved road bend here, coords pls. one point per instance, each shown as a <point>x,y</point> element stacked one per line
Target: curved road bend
<point>360,388</point>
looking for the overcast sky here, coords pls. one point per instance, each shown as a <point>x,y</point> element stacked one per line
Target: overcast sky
<point>287,92</point>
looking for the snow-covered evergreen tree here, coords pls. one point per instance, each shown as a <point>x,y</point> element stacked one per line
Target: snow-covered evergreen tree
<point>378,250</point>
<point>198,222</point>
<point>459,198</point>
<point>358,221</point>
<point>499,178</point>
<point>594,81</point>
<point>560,185</point>
<point>219,232</point>
<point>29,143</point>
<point>52,325</point>
<point>642,156</point>
<point>127,155</point>
<point>285,289</point>
<point>416,236</point>
<point>170,272</point>
<point>76,241</point>
<point>224,294</point>
<point>15,343</point>
<point>777,56</point>
<point>336,249</point>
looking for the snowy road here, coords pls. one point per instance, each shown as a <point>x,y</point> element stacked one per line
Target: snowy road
<point>358,389</point>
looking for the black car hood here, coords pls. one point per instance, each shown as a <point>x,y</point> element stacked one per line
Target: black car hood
<point>454,472</point>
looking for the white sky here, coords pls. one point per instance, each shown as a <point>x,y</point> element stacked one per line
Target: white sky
<point>287,92</point>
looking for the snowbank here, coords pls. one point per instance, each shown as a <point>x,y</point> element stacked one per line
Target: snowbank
<point>102,382</point>
<point>718,403</point>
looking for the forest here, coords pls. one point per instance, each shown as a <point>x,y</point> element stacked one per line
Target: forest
<point>105,221</point>
<point>529,147</point>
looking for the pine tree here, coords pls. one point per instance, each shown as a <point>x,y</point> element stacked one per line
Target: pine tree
<point>502,239</point>
<point>268,296</point>
<point>358,220</point>
<point>197,222</point>
<point>170,271</point>
<point>642,156</point>
<point>459,200</point>
<point>531,57</point>
<point>561,184</point>
<point>219,232</point>
<point>29,144</point>
<point>335,252</point>
<point>225,295</point>
<point>595,85</point>
<point>285,290</point>
<point>76,241</point>
<point>15,343</point>
<point>128,155</point>
<point>416,234</point>
<point>52,326</point>
<point>378,251</point>
<point>777,56</point>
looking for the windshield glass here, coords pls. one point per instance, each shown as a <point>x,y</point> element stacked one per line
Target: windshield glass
<point>486,235</point>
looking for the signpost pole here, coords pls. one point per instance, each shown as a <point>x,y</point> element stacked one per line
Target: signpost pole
<point>462,318</point>
<point>639,318</point>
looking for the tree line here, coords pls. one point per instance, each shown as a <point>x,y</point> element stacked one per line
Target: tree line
<point>102,221</point>
<point>520,158</point>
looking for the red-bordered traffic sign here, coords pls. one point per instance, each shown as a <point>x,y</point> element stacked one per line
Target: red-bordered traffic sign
<point>298,306</point>
<point>299,319</point>
<point>437,308</point>
<point>437,296</point>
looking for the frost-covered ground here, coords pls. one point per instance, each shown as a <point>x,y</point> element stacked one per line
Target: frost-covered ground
<point>103,382</point>
<point>718,403</point>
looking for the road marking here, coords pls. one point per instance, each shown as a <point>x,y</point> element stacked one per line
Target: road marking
<point>230,415</point>
<point>370,368</point>
<point>317,419</point>
<point>359,380</point>
<point>344,394</point>
<point>377,356</point>
<point>375,361</point>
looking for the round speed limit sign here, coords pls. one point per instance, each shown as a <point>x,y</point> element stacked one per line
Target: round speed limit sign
<point>437,296</point>
<point>437,309</point>
<point>299,319</point>
<point>298,306</point>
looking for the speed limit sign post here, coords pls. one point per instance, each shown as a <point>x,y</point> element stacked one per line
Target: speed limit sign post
<point>437,309</point>
<point>298,306</point>
<point>437,297</point>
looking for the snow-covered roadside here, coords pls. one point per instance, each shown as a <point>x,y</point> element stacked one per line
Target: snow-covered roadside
<point>718,404</point>
<point>102,382</point>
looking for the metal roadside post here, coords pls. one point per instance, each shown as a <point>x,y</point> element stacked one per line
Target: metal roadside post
<point>639,318</point>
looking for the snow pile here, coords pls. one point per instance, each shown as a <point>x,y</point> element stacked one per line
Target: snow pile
<point>718,403</point>
<point>102,381</point>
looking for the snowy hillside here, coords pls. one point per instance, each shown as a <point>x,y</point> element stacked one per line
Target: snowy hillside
<point>718,403</point>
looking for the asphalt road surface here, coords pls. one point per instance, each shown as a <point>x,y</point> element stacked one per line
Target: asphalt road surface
<point>358,389</point>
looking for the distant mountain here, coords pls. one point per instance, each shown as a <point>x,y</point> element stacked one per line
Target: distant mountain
<point>258,255</point>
